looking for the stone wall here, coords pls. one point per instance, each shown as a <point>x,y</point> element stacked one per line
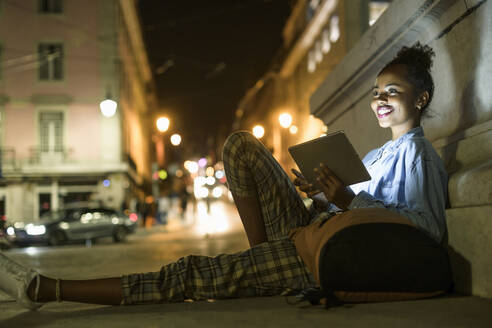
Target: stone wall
<point>460,124</point>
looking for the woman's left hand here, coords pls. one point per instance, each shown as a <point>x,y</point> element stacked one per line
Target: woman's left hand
<point>333,188</point>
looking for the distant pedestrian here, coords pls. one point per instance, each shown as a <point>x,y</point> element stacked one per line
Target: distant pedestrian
<point>183,198</point>
<point>163,208</point>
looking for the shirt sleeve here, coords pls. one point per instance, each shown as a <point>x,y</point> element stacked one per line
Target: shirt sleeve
<point>425,197</point>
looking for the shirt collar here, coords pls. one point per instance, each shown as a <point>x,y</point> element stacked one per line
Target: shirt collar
<point>392,145</point>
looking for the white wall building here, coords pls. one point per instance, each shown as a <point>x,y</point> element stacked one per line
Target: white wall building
<point>58,60</point>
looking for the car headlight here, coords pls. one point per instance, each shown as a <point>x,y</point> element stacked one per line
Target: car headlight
<point>35,230</point>
<point>10,231</point>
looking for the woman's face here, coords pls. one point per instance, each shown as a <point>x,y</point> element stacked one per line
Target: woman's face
<point>394,101</point>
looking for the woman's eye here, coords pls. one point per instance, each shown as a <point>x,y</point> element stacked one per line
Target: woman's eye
<point>392,91</point>
<point>375,93</point>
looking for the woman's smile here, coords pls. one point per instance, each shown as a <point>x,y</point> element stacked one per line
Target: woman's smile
<point>384,111</point>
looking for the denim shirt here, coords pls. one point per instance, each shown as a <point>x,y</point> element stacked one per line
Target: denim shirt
<point>408,177</point>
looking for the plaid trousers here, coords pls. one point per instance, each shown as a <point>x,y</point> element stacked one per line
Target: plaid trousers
<point>270,268</point>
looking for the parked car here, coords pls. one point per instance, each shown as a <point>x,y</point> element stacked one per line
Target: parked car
<point>74,224</point>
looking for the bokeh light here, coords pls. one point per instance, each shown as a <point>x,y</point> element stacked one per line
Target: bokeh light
<point>133,217</point>
<point>258,131</point>
<point>175,139</point>
<point>202,162</point>
<point>209,171</point>
<point>293,129</point>
<point>201,192</point>
<point>162,124</point>
<point>155,176</point>
<point>217,192</point>
<point>162,174</point>
<point>219,174</point>
<point>200,181</point>
<point>285,120</point>
<point>191,166</point>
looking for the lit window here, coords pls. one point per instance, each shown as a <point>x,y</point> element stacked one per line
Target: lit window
<point>311,62</point>
<point>334,28</point>
<point>325,41</point>
<point>50,61</point>
<point>50,6</point>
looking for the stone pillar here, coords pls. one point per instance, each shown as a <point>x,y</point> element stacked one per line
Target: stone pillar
<point>13,201</point>
<point>55,200</point>
<point>35,204</point>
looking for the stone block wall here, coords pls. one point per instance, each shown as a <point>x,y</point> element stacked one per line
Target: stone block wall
<point>460,121</point>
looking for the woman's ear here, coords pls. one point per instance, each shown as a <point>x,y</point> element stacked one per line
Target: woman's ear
<point>422,100</point>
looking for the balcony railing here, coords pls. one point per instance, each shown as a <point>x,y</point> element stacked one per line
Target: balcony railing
<point>57,155</point>
<point>7,159</point>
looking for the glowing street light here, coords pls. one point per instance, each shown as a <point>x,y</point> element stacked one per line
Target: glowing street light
<point>175,139</point>
<point>258,131</point>
<point>162,124</point>
<point>293,129</point>
<point>285,120</point>
<point>108,107</point>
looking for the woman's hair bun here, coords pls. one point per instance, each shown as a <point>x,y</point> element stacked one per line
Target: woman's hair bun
<point>417,55</point>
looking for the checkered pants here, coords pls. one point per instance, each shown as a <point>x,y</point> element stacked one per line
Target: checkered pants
<point>270,268</point>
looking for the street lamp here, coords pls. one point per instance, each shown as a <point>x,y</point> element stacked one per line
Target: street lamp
<point>162,124</point>
<point>175,139</point>
<point>285,120</point>
<point>293,129</point>
<point>108,107</point>
<point>258,131</point>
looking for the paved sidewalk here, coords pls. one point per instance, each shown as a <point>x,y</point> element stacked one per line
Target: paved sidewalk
<point>451,311</point>
<point>148,249</point>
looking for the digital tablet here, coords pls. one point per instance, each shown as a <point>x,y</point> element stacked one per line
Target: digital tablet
<point>336,152</point>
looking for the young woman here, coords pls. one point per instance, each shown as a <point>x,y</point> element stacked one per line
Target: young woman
<point>407,176</point>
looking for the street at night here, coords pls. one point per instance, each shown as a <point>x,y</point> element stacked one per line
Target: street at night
<point>245,163</point>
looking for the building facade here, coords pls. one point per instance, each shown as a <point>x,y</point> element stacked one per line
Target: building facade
<point>459,123</point>
<point>58,60</point>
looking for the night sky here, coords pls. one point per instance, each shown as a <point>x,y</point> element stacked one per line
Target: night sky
<point>206,54</point>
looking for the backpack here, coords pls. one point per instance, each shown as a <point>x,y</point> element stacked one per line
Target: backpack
<point>371,255</point>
